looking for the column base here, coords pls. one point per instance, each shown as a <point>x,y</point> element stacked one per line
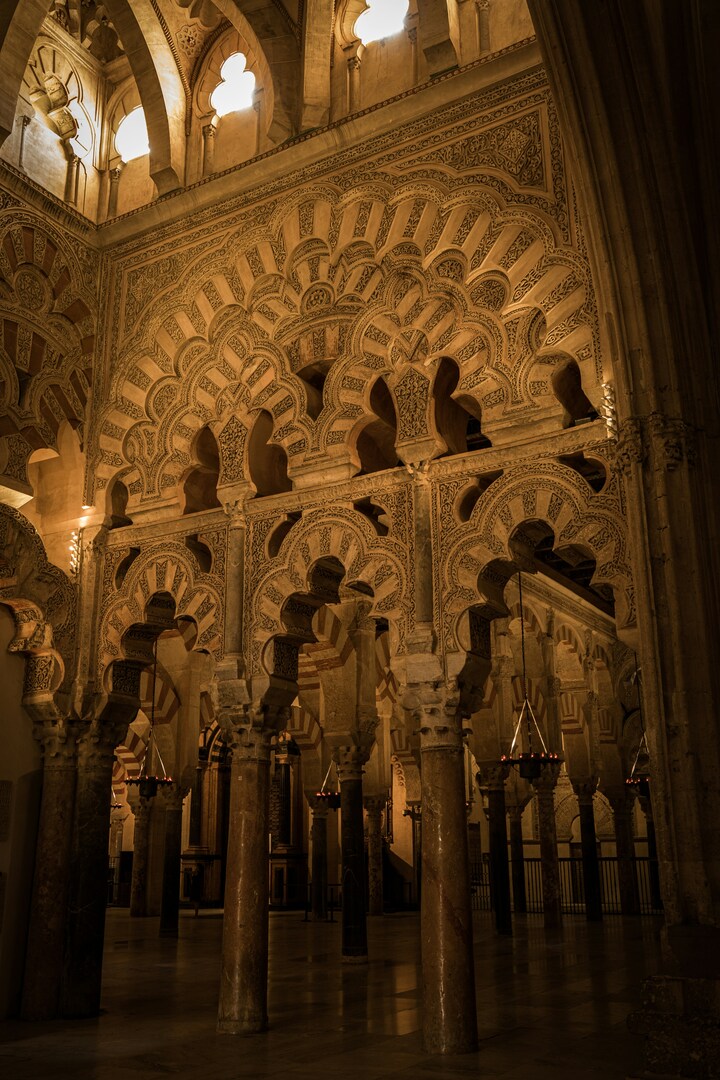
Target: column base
<point>242,1027</point>
<point>679,1020</point>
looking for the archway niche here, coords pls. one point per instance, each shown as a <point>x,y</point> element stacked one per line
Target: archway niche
<point>200,487</point>
<point>376,441</point>
<point>571,565</point>
<point>313,379</point>
<point>458,420</point>
<point>117,500</point>
<point>267,461</point>
<point>567,387</point>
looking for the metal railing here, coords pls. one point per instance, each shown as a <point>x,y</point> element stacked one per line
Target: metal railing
<point>572,885</point>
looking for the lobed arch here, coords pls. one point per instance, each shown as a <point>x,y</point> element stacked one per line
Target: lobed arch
<point>239,37</point>
<point>171,570</point>
<point>348,537</point>
<point>481,554</point>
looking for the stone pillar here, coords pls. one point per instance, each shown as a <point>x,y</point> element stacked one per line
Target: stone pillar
<point>141,850</point>
<point>282,765</point>
<point>584,790</point>
<point>622,807</point>
<point>482,15</point>
<point>243,980</point>
<point>195,836</point>
<point>173,796</point>
<point>354,56</point>
<point>88,889</point>
<point>349,761</point>
<point>374,806</point>
<point>517,860</point>
<point>71,179</point>
<point>413,38</point>
<point>319,857</point>
<point>48,908</point>
<point>492,785</point>
<point>449,1013</point>
<point>653,868</point>
<point>549,863</point>
<point>209,134</point>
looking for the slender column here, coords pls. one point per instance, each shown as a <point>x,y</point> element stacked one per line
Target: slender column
<point>46,933</point>
<point>243,981</point>
<point>492,785</point>
<point>449,1015</point>
<point>413,37</point>
<point>622,807</point>
<point>173,797</point>
<point>113,193</point>
<point>24,123</point>
<point>517,859</point>
<point>653,869</point>
<point>71,179</point>
<point>482,15</point>
<point>584,790</point>
<point>141,851</point>
<point>88,891</point>
<point>282,764</point>
<point>374,806</point>
<point>318,899</point>
<point>354,55</point>
<point>209,133</point>
<point>549,863</point>
<point>195,837</point>
<point>349,761</point>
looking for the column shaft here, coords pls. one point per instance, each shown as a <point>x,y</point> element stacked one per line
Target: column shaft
<point>243,983</point>
<point>517,856</point>
<point>375,855</point>
<point>319,863</point>
<point>625,850</point>
<point>354,926</point>
<point>499,869</point>
<point>170,908</point>
<point>141,850</point>
<point>46,932</point>
<point>591,867</point>
<point>88,890</point>
<point>549,863</point>
<point>449,1016</point>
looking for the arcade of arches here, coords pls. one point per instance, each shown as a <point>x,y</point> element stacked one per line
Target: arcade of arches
<point>354,391</point>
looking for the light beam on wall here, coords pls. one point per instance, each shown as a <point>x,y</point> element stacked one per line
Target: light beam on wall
<point>382,19</point>
<point>131,138</point>
<point>237,88</point>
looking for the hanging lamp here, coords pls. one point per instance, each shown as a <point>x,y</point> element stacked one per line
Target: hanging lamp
<point>639,778</point>
<point>148,785</point>
<point>529,762</point>
<point>330,798</point>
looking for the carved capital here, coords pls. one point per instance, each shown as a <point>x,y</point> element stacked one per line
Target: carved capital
<point>629,449</point>
<point>318,806</point>
<point>374,805</point>
<point>547,781</point>
<point>492,777</point>
<point>672,441</point>
<point>173,795</point>
<point>584,789</point>
<point>349,761</point>
<point>250,744</point>
<point>59,743</point>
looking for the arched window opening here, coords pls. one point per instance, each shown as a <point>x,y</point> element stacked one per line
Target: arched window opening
<point>459,426</point>
<point>467,499</point>
<point>592,470</point>
<point>118,499</point>
<point>201,551</point>
<point>376,442</point>
<point>381,19</point>
<point>313,377</point>
<point>124,566</point>
<point>279,533</point>
<point>376,515</point>
<point>131,137</point>
<point>268,462</point>
<point>236,89</point>
<point>200,487</point>
<point>567,387</point>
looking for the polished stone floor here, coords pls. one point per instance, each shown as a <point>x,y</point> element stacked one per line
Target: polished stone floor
<point>546,1007</point>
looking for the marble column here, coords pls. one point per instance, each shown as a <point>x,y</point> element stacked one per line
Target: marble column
<point>349,761</point>
<point>48,908</point>
<point>319,857</point>
<point>82,980</point>
<point>585,790</point>
<point>209,133</point>
<point>113,191</point>
<point>449,1013</point>
<point>374,806</point>
<point>244,966</point>
<point>173,796</point>
<point>141,850</point>
<point>195,836</point>
<point>517,859</point>
<point>653,868</point>
<point>492,786</point>
<point>282,765</point>
<point>549,863</point>
<point>622,807</point>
